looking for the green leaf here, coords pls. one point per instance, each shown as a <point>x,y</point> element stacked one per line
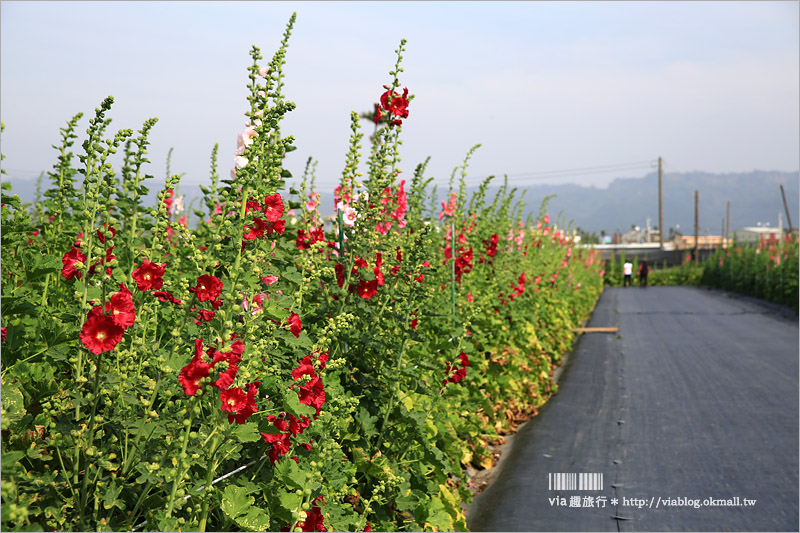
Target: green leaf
<point>290,474</point>
<point>435,515</point>
<point>294,407</point>
<point>367,422</point>
<point>290,501</point>
<point>246,432</point>
<point>111,496</point>
<point>9,460</point>
<point>235,501</point>
<point>291,274</point>
<point>256,519</point>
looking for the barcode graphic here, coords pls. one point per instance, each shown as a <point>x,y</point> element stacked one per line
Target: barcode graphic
<point>575,481</point>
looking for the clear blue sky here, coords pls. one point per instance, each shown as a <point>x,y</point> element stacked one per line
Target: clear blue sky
<point>543,86</point>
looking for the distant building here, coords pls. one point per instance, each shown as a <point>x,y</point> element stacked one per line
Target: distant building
<point>641,236</point>
<point>753,235</point>
<point>704,242</point>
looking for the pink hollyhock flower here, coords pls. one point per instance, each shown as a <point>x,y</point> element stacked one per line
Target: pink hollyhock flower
<point>245,138</point>
<point>448,209</point>
<point>241,161</point>
<point>349,216</point>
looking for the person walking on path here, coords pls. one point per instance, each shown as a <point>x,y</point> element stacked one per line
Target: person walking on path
<point>627,271</point>
<point>644,268</point>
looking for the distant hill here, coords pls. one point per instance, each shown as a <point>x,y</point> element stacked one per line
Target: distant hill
<point>754,196</point>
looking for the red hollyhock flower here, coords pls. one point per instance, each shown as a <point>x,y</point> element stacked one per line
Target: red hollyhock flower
<point>165,296</point>
<point>3,331</point>
<point>208,288</point>
<point>312,393</point>
<point>323,358</point>
<point>233,399</point>
<point>69,270</point>
<point>121,307</point>
<point>168,200</point>
<point>295,325</point>
<point>278,227</point>
<point>101,233</point>
<point>246,411</point>
<point>367,289</point>
<point>149,275</point>
<point>339,269</point>
<point>204,316</point>
<point>303,240</point>
<point>395,104</point>
<point>314,519</point>
<point>269,280</point>
<point>99,333</point>
<point>225,379</point>
<point>378,113</point>
<point>305,368</point>
<point>197,369</point>
<point>273,207</point>
<point>257,230</point>
<point>298,425</point>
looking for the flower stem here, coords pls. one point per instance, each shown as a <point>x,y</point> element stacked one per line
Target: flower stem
<point>209,478</point>
<point>394,394</point>
<point>179,477</point>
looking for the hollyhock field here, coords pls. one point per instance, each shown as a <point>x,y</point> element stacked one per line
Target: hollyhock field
<point>265,368</point>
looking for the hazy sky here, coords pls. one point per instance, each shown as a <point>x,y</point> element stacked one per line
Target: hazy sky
<point>543,86</point>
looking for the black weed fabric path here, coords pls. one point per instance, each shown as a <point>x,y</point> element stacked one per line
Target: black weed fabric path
<point>690,413</point>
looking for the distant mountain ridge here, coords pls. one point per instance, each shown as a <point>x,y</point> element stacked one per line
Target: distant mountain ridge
<point>755,197</point>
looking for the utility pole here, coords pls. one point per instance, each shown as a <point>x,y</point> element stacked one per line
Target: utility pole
<point>786,207</point>
<point>696,226</point>
<point>660,209</point>
<point>728,224</point>
<point>722,234</point>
